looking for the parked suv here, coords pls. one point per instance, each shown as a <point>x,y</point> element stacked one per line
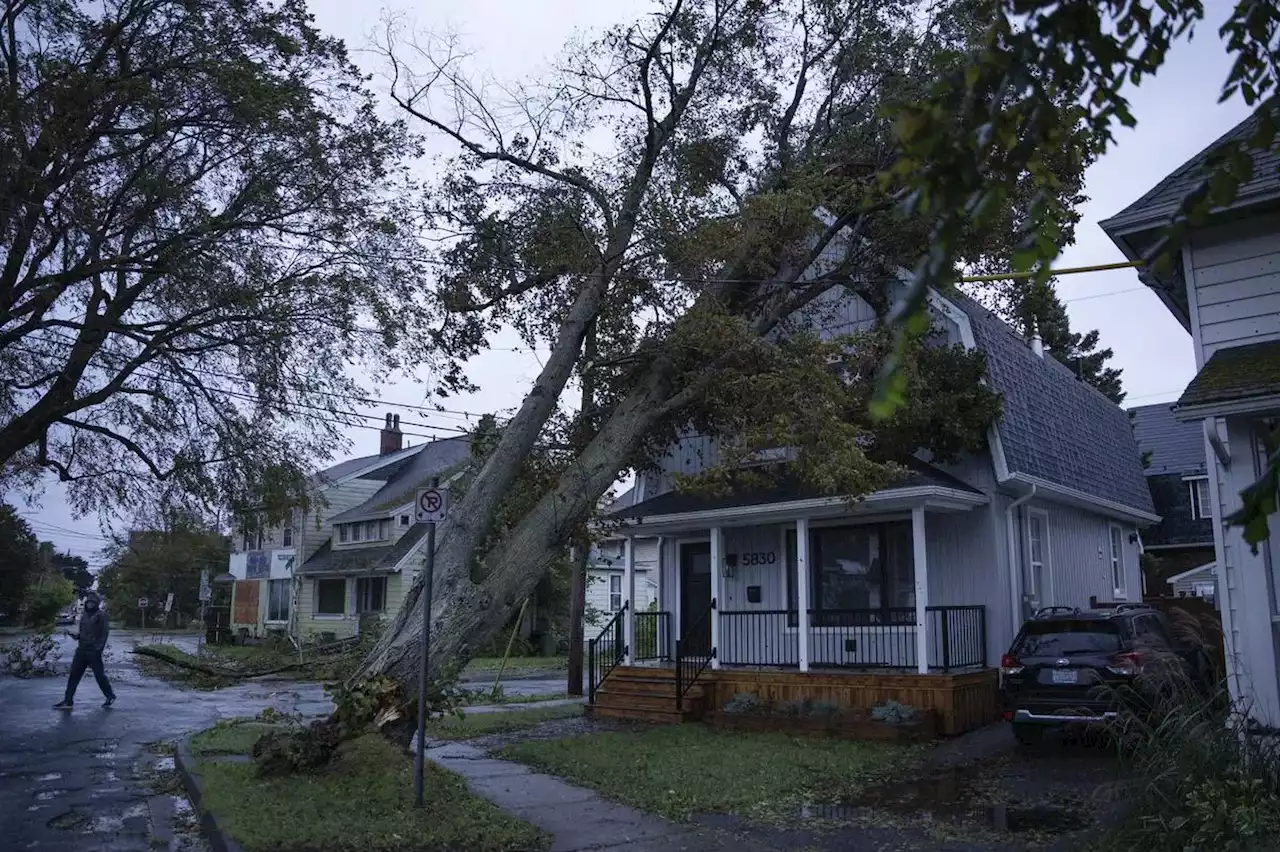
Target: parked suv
<point>1070,666</point>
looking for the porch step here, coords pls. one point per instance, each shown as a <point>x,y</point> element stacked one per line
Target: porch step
<point>647,694</point>
<point>632,714</point>
<point>635,686</point>
<point>645,702</point>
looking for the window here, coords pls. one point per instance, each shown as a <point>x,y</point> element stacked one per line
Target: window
<point>404,520</point>
<point>615,592</point>
<point>1038,557</point>
<point>371,594</point>
<point>331,597</point>
<point>1058,638</point>
<point>357,532</point>
<point>857,575</point>
<point>1200,508</point>
<point>279,595</point>
<point>286,537</point>
<point>342,532</point>
<point>384,528</point>
<point>371,530</point>
<point>1117,560</point>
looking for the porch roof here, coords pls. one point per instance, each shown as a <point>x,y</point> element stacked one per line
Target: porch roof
<point>361,560</point>
<point>1235,380</point>
<point>789,498</point>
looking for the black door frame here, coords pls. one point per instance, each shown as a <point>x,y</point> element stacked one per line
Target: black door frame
<point>688,612</point>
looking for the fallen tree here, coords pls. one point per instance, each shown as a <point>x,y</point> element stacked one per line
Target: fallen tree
<point>694,250</point>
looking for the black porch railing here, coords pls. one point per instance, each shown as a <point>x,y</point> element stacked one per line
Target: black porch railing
<point>653,636</point>
<point>605,652</point>
<point>694,652</point>
<point>956,638</point>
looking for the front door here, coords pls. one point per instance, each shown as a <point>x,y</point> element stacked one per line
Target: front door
<point>695,597</point>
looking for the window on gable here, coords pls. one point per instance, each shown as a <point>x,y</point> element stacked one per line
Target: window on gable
<point>342,533</point>
<point>1117,560</point>
<point>1200,507</point>
<point>286,537</point>
<point>404,520</point>
<point>384,528</point>
<point>357,532</point>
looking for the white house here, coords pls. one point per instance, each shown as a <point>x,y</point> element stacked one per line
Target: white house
<point>791,593</point>
<point>1225,290</point>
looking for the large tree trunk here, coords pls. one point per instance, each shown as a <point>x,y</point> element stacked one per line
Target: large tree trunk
<point>465,613</point>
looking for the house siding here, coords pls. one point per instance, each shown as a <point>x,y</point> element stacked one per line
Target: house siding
<point>1236,275</point>
<point>1079,556</point>
<point>334,499</point>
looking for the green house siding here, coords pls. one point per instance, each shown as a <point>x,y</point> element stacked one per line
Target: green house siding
<point>311,624</point>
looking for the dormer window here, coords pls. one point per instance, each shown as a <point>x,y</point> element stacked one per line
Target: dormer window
<point>404,520</point>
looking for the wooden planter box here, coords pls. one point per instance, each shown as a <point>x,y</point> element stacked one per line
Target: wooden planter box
<point>843,726</point>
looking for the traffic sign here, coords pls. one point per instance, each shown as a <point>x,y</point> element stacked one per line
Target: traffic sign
<point>433,505</point>
<point>142,603</point>
<point>168,602</point>
<point>206,591</point>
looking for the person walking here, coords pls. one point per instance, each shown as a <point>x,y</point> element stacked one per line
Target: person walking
<point>90,643</point>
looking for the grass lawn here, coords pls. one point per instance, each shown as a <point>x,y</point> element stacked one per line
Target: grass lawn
<point>679,770</point>
<point>231,737</point>
<point>481,667</point>
<point>362,803</point>
<point>501,722</point>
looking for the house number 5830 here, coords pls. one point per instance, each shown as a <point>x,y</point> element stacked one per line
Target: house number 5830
<point>767,558</point>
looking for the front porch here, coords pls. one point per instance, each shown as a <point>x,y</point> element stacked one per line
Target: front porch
<point>876,624</point>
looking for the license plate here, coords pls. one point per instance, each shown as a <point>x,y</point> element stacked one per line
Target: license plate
<point>1064,675</point>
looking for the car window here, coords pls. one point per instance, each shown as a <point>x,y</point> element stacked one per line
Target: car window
<point>1064,638</point>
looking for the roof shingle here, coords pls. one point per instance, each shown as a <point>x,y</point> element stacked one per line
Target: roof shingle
<point>1236,374</point>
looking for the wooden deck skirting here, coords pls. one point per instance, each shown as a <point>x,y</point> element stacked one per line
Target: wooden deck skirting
<point>964,701</point>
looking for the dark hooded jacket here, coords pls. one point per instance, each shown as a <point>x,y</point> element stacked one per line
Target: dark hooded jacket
<point>93,627</point>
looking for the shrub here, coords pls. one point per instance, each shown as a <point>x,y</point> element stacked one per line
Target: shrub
<point>821,707</point>
<point>35,655</point>
<point>303,749</point>
<point>892,712</point>
<point>743,703</point>
<point>48,598</point>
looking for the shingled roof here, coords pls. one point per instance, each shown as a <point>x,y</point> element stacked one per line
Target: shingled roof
<point>1175,446</point>
<point>437,458</point>
<point>362,560</point>
<point>1054,426</point>
<point>1236,374</point>
<point>1159,203</point>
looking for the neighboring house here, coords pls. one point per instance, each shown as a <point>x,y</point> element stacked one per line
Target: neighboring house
<point>606,575</point>
<point>372,553</point>
<point>305,578</point>
<point>1225,290</point>
<point>1199,582</point>
<point>932,576</point>
<point>1173,452</point>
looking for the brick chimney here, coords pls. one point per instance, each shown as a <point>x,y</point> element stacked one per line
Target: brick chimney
<point>392,437</point>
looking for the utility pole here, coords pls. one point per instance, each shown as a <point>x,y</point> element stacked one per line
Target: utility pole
<point>582,547</point>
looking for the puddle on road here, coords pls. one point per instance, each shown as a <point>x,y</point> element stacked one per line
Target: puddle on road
<point>165,764</point>
<point>956,797</point>
<point>51,776</point>
<point>49,795</point>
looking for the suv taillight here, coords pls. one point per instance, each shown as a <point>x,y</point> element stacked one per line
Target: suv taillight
<point>1127,663</point>
<point>1009,665</point>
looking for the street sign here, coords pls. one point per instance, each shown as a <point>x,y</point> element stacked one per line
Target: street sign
<point>168,602</point>
<point>206,591</point>
<point>142,603</point>
<point>433,505</point>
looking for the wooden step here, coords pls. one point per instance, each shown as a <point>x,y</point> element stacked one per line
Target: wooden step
<point>642,687</point>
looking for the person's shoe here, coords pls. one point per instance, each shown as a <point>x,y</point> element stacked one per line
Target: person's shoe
<point>63,705</point>
<point>109,701</point>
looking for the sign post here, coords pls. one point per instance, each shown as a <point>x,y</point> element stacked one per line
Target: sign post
<point>142,605</point>
<point>206,595</point>
<point>432,508</point>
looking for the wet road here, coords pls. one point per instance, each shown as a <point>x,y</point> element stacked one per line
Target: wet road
<point>78,781</point>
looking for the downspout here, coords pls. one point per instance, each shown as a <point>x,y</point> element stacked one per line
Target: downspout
<point>1015,559</point>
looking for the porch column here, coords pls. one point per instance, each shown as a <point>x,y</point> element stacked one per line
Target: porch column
<point>628,597</point>
<point>918,545</point>
<point>802,591</point>
<point>717,591</point>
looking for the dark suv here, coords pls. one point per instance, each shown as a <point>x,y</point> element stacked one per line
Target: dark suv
<point>1071,666</point>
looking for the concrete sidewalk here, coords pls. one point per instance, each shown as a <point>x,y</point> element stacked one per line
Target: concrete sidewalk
<point>577,818</point>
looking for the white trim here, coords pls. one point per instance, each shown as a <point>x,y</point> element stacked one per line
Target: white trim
<point>802,590</point>
<point>629,597</point>
<point>1208,566</point>
<point>1193,303</point>
<point>717,591</point>
<point>1046,560</point>
<point>1015,557</point>
<point>1197,505</point>
<point>933,495</point>
<point>1107,507</point>
<point>920,547</point>
<point>1115,560</point>
<point>1228,408</point>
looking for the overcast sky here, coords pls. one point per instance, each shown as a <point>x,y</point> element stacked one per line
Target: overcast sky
<point>1177,114</point>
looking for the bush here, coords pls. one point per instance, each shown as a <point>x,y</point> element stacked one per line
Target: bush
<point>47,599</point>
<point>302,749</point>
<point>893,713</point>
<point>35,655</point>
<point>744,702</point>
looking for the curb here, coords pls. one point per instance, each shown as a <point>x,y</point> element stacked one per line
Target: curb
<point>218,839</point>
